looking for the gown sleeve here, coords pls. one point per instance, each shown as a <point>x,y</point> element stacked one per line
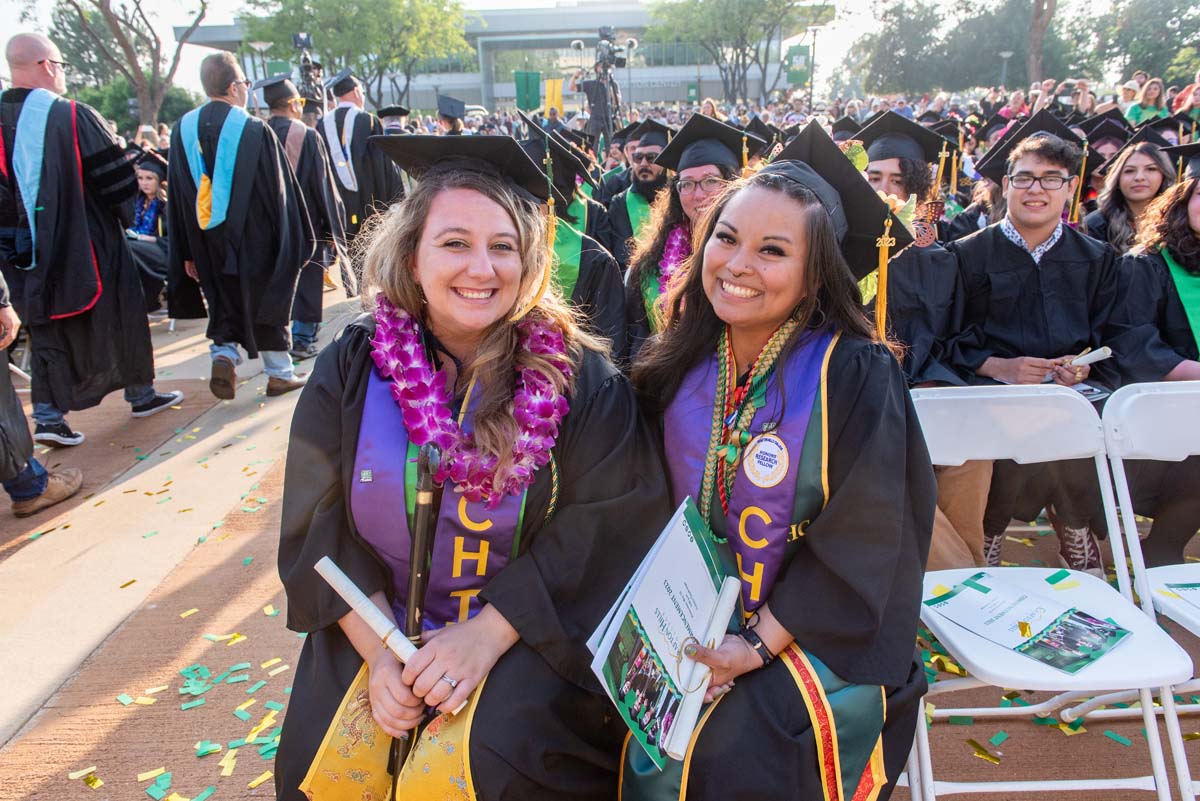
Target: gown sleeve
<point>852,592</point>
<point>316,514</point>
<point>601,295</point>
<point>612,504</point>
<point>970,352</point>
<point>106,169</point>
<point>1135,330</point>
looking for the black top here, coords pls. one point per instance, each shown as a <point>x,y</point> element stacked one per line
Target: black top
<point>1149,332</point>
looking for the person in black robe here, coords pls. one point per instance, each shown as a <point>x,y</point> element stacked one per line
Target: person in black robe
<point>1131,179</point>
<point>574,545</point>
<point>631,206</point>
<point>220,256</point>
<point>1038,294</point>
<point>1155,336</point>
<point>69,270</point>
<point>366,181</point>
<point>148,232</point>
<point>307,157</point>
<point>617,179</point>
<point>830,581</point>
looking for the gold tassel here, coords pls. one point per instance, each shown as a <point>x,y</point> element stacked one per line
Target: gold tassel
<point>1179,171</point>
<point>746,151</point>
<point>954,175</point>
<point>884,243</point>
<point>1074,216</point>
<point>551,230</point>
<point>937,183</point>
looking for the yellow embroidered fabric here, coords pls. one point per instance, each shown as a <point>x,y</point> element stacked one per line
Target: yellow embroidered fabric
<point>352,762</point>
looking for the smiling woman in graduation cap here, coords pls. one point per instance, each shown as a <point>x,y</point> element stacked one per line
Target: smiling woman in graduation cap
<point>791,425</point>
<point>542,466</point>
<point>705,156</point>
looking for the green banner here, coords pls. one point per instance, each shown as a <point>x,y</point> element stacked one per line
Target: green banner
<point>799,66</point>
<point>693,92</point>
<point>529,90</point>
<point>277,66</point>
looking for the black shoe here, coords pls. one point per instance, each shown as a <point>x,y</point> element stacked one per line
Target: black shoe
<point>158,403</point>
<point>302,352</point>
<point>58,434</point>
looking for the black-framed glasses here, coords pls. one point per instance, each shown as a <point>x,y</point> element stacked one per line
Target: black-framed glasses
<point>62,65</point>
<point>1049,182</point>
<point>644,156</point>
<point>709,184</point>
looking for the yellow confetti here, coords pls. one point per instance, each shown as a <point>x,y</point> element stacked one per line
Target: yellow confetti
<point>940,589</point>
<point>144,701</point>
<point>79,774</point>
<point>126,584</point>
<point>1067,730</point>
<point>266,774</point>
<point>154,690</point>
<point>189,612</point>
<point>236,638</point>
<point>1167,594</point>
<point>1066,585</point>
<point>175,797</point>
<point>270,662</point>
<point>151,774</point>
<point>93,781</point>
<point>929,714</point>
<point>278,670</point>
<point>228,762</point>
<point>1024,628</point>
<point>269,610</point>
<point>247,705</point>
<point>983,753</point>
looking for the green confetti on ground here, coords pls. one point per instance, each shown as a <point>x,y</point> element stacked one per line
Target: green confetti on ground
<point>149,534</point>
<point>1116,738</point>
<point>190,704</point>
<point>237,679</point>
<point>962,720</point>
<point>240,714</point>
<point>1054,578</point>
<point>124,699</point>
<point>998,738</point>
<point>246,562</point>
<point>275,705</point>
<point>253,688</point>
<point>204,794</point>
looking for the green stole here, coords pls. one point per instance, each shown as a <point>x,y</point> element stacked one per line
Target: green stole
<point>650,295</point>
<point>638,209</point>
<point>568,251</point>
<point>1188,286</point>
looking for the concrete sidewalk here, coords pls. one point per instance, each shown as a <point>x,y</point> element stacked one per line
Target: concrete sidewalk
<point>64,594</point>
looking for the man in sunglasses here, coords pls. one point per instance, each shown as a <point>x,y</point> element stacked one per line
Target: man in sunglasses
<point>306,153</point>
<point>629,210</point>
<point>65,187</point>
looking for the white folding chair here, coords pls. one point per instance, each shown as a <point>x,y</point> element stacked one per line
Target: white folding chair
<point>1031,424</point>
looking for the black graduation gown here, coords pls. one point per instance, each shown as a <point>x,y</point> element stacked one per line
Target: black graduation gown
<point>612,186</point>
<point>1018,308</point>
<point>1096,226</point>
<point>850,595</point>
<point>1149,331</point>
<point>83,304</point>
<point>326,214</point>
<point>378,176</point>
<point>249,264</point>
<point>541,697</point>
<point>596,212</point>
<point>616,232</point>
<point>599,294</point>
<point>925,304</point>
<point>637,324</point>
<point>965,223</point>
<point>151,259</point>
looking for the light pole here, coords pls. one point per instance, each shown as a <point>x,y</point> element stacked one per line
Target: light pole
<point>1005,55</point>
<point>812,67</point>
<point>261,48</point>
<point>630,45</point>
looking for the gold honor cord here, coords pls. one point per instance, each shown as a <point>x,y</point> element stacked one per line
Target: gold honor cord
<point>551,227</point>
<point>1074,216</point>
<point>746,151</point>
<point>884,243</point>
<point>941,165</point>
<point>954,174</point>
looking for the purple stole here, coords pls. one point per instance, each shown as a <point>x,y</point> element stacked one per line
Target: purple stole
<point>778,488</point>
<point>471,544</point>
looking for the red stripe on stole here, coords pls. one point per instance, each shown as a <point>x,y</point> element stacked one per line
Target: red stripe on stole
<point>822,726</point>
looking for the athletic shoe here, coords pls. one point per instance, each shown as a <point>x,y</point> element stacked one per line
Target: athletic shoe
<point>57,434</point>
<point>991,549</point>
<point>1078,549</point>
<point>223,382</point>
<point>160,402</point>
<point>302,352</point>
<point>281,386</point>
<point>60,485</point>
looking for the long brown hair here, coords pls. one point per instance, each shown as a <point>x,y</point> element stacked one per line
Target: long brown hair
<point>1122,228</point>
<point>1166,226</point>
<point>388,251</point>
<point>692,329</point>
<point>1159,101</point>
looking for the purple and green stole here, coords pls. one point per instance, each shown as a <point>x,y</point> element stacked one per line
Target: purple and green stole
<point>781,486</point>
<point>471,544</point>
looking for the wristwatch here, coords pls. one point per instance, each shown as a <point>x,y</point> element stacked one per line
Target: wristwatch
<point>754,641</point>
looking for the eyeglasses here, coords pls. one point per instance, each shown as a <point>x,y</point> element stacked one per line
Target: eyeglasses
<point>712,183</point>
<point>62,65</point>
<point>645,156</point>
<point>1048,182</point>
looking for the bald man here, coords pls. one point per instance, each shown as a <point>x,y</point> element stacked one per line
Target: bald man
<point>65,187</point>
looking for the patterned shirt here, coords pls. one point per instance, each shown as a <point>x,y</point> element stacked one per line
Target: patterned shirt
<point>1015,237</point>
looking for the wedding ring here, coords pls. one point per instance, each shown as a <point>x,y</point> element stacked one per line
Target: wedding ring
<point>452,682</point>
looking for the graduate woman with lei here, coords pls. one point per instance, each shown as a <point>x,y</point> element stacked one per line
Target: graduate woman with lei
<point>543,465</point>
<point>792,427</point>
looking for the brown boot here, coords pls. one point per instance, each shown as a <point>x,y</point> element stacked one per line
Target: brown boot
<point>60,485</point>
<point>281,386</point>
<point>223,383</point>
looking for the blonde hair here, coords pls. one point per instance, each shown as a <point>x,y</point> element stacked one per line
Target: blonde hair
<point>388,252</point>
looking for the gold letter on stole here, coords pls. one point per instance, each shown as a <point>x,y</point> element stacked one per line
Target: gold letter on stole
<point>464,601</point>
<point>753,511</point>
<point>480,557</point>
<point>754,579</point>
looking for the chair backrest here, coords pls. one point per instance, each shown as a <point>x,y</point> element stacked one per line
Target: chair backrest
<point>1154,421</point>
<point>1028,424</point>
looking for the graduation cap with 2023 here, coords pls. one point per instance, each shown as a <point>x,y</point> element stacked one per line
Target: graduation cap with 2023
<point>859,215</point>
<point>995,164</point>
<point>704,140</point>
<point>892,136</point>
<point>277,88</point>
<point>491,155</point>
<point>342,83</point>
<point>1187,160</point>
<point>1144,134</point>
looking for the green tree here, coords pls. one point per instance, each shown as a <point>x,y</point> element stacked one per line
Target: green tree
<point>903,53</point>
<point>1147,35</point>
<point>378,39</point>
<point>87,66</point>
<point>112,101</point>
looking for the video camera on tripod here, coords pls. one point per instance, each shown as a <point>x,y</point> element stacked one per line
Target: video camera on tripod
<point>311,72</point>
<point>609,54</point>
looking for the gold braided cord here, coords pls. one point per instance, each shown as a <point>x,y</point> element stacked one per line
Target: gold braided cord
<point>1074,217</point>
<point>885,244</point>
<point>551,230</point>
<point>552,507</point>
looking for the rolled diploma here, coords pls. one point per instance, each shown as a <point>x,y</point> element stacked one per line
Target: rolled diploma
<point>689,710</point>
<point>1093,357</point>
<point>384,628</point>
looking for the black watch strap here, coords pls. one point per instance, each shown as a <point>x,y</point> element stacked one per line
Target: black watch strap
<point>755,642</point>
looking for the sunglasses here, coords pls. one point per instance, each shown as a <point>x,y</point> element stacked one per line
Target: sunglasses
<point>644,156</point>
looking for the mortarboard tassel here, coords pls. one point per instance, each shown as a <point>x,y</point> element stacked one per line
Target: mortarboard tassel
<point>746,151</point>
<point>1179,171</point>
<point>937,183</point>
<point>954,175</point>
<point>551,228</point>
<point>1074,216</point>
<point>884,243</point>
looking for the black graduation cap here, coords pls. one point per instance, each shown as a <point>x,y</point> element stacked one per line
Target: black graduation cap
<point>814,160</point>
<point>1107,129</point>
<point>995,164</point>
<point>621,136</point>
<point>312,106</point>
<point>757,127</point>
<point>277,88</point>
<point>1113,115</point>
<point>705,140</point>
<point>892,136</point>
<point>581,140</point>
<point>994,123</point>
<point>844,128</point>
<point>1165,125</point>
<point>948,128</point>
<point>342,83</point>
<point>1143,134</point>
<point>392,111</point>
<point>872,118</point>
<point>451,107</point>
<point>492,155</point>
<point>152,162</point>
<point>929,118</point>
<point>562,158</point>
<point>1074,118</point>
<point>653,133</point>
<point>1187,160</point>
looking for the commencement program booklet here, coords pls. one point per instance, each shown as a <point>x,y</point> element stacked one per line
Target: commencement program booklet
<point>681,592</point>
<point>1038,627</point>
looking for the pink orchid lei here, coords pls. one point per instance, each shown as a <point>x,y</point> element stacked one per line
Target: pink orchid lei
<point>677,248</point>
<point>424,402</point>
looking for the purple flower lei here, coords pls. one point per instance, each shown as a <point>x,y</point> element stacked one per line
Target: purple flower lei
<point>424,402</point>
<point>677,248</point>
